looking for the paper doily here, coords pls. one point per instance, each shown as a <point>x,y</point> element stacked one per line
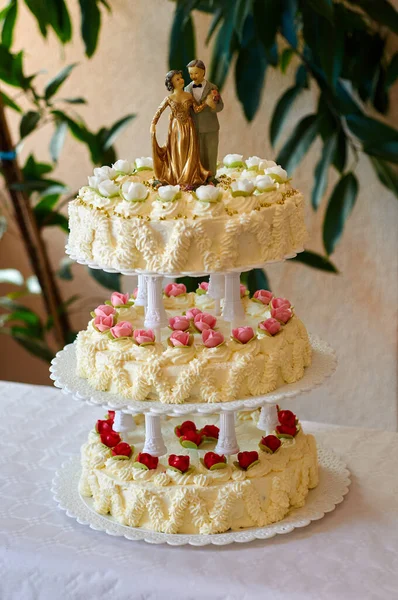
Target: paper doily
<point>63,372</point>
<point>334,479</point>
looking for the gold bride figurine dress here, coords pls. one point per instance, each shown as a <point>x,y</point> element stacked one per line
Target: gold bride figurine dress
<point>178,161</point>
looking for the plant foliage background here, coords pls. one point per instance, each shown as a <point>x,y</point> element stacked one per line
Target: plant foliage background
<point>338,48</point>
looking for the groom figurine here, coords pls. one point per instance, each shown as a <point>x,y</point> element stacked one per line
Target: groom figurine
<point>206,122</point>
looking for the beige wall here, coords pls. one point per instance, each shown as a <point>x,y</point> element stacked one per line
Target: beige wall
<point>355,311</point>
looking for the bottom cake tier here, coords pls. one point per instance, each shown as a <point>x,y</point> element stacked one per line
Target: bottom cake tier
<point>196,490</point>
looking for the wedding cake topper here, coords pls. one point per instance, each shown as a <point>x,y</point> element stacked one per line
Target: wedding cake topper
<point>189,157</point>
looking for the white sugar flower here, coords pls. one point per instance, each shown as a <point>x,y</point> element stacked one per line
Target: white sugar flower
<point>264,183</point>
<point>242,187</point>
<point>123,166</point>
<point>250,174</point>
<point>94,181</point>
<point>134,192</point>
<point>233,160</point>
<point>253,162</point>
<point>266,164</point>
<point>144,163</point>
<point>108,188</point>
<point>277,173</point>
<point>207,193</point>
<point>105,173</point>
<point>168,193</point>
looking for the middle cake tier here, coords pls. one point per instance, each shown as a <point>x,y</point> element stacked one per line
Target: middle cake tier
<point>199,357</point>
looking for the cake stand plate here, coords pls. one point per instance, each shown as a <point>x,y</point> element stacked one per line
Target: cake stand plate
<point>108,269</point>
<point>334,479</point>
<point>63,372</point>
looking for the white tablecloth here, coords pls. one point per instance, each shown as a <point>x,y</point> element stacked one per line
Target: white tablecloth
<point>349,554</point>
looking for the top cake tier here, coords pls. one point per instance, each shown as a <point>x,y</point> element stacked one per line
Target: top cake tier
<point>123,221</point>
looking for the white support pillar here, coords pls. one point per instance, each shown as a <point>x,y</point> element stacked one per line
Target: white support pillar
<point>233,308</point>
<point>217,290</point>
<point>124,423</point>
<point>141,299</point>
<point>155,316</point>
<point>154,443</point>
<point>227,443</point>
<point>268,418</point>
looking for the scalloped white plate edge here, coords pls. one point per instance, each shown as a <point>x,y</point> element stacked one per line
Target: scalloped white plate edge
<point>297,518</point>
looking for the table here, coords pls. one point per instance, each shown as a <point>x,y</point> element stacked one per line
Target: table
<point>349,554</point>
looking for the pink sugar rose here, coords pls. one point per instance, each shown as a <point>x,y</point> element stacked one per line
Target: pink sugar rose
<point>243,290</point>
<point>204,285</point>
<point>192,312</point>
<point>180,339</point>
<point>135,293</point>
<point>282,314</point>
<point>144,336</point>
<point>271,326</point>
<point>122,329</point>
<point>103,323</point>
<point>179,323</point>
<point>118,299</point>
<point>211,338</point>
<point>103,310</point>
<point>279,302</point>
<point>204,321</point>
<point>263,296</point>
<point>175,289</point>
<point>243,334</point>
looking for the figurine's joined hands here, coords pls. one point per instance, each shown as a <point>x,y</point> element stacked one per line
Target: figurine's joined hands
<point>210,101</point>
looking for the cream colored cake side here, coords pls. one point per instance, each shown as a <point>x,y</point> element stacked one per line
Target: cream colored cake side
<point>174,375</point>
<point>200,501</point>
<point>164,245</point>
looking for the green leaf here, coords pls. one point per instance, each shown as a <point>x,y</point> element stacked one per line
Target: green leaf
<point>35,170</point>
<point>386,174</point>
<point>381,11</point>
<point>77,129</point>
<point>340,205</point>
<point>182,39</point>
<point>90,24</point>
<point>11,69</point>
<point>323,7</point>
<point>298,143</point>
<point>340,155</point>
<point>224,48</point>
<point>116,130</point>
<point>74,100</point>
<point>7,101</point>
<point>46,204</point>
<point>3,226</point>
<point>58,18</point>
<point>55,83</point>
<point>28,123</point>
<point>65,271</point>
<point>281,112</point>
<point>11,276</point>
<point>57,140</point>
<point>256,279</point>
<point>267,17</point>
<point>288,22</point>
<point>214,24</point>
<point>111,281</point>
<point>38,9</point>
<point>242,9</point>
<point>286,58</point>
<point>392,71</point>
<point>250,71</point>
<point>316,261</point>
<point>7,31</point>
<point>55,219</point>
<point>321,171</point>
<point>378,139</point>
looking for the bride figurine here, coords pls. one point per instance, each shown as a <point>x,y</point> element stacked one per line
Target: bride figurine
<point>178,161</point>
